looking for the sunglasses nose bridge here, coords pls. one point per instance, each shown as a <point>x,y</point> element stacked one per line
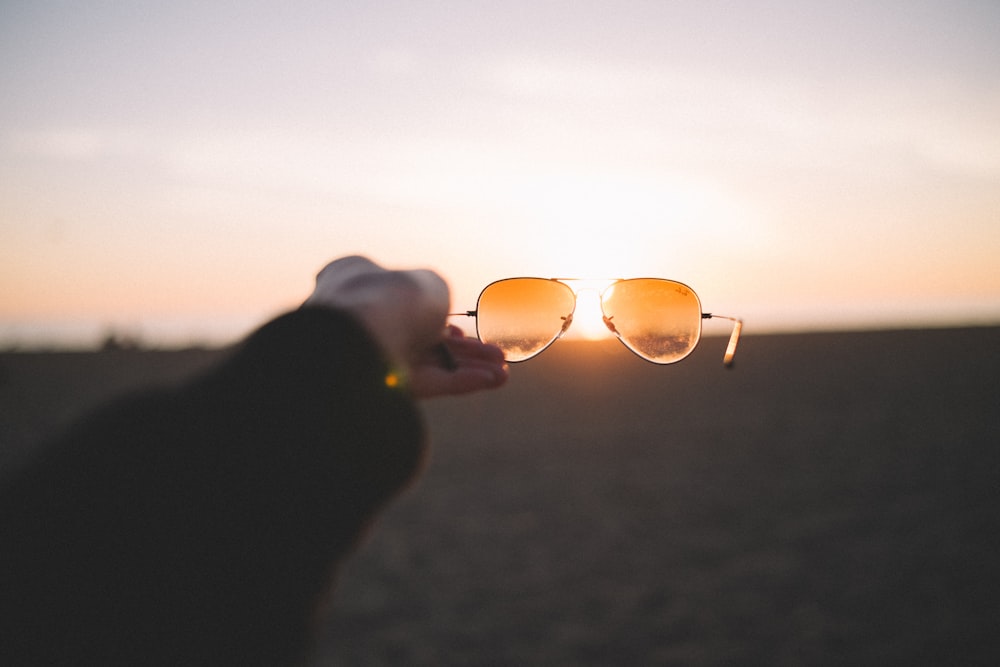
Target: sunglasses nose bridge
<point>588,300</point>
<point>593,293</point>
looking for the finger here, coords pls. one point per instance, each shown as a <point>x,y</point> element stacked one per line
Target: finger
<point>431,381</point>
<point>453,331</point>
<point>471,348</point>
<point>471,366</point>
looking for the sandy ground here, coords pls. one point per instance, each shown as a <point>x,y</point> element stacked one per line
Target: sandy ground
<point>831,500</point>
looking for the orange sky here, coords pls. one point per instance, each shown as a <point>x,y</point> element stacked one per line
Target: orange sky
<point>184,170</point>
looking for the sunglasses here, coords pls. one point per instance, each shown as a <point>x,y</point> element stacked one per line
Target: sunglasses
<point>659,320</point>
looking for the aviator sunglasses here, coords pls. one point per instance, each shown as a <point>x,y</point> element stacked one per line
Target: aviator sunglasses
<point>659,320</point>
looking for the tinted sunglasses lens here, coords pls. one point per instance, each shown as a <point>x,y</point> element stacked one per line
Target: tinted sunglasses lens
<point>660,320</point>
<point>522,316</point>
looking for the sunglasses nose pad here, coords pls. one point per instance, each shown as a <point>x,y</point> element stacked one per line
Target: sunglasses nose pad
<point>609,324</point>
<point>567,321</point>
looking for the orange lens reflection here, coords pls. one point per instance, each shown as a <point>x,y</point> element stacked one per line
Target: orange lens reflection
<point>660,320</point>
<point>522,316</point>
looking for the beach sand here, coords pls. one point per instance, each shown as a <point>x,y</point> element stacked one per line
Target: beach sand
<point>833,499</point>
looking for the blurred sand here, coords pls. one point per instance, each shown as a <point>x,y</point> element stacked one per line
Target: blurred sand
<point>830,500</point>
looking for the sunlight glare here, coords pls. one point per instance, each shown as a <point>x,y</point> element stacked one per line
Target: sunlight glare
<point>587,319</point>
<point>622,224</point>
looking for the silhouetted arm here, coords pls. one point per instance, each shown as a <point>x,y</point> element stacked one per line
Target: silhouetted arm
<point>206,521</point>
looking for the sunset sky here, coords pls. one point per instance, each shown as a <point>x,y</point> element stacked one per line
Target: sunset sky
<point>182,169</point>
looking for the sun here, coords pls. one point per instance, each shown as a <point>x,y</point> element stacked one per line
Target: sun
<point>588,319</point>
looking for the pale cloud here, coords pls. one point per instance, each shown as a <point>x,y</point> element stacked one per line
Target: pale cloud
<point>60,144</point>
<point>563,77</point>
<point>77,144</point>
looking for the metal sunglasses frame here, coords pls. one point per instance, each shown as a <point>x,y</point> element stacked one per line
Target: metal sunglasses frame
<point>727,360</point>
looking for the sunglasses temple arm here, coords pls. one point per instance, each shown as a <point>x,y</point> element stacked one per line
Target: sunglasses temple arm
<point>467,313</point>
<point>734,338</point>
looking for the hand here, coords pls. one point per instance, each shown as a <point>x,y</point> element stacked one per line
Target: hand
<point>406,312</point>
<point>468,365</point>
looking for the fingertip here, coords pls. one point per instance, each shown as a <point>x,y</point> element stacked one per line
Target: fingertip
<point>501,375</point>
<point>495,377</point>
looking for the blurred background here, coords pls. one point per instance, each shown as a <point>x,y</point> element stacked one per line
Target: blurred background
<point>176,173</point>
<point>179,171</point>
